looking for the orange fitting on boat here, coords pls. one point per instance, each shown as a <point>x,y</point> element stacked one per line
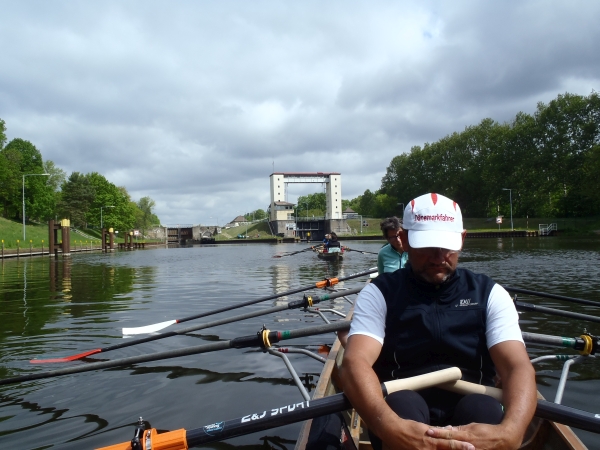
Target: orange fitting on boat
<point>265,336</point>
<point>589,344</point>
<point>172,440</point>
<point>327,282</point>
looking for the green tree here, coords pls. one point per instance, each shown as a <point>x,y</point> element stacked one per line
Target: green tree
<point>24,159</point>
<point>545,159</point>
<point>312,204</point>
<point>77,196</point>
<point>124,211</point>
<point>366,205</point>
<point>2,134</point>
<point>10,181</point>
<point>145,218</point>
<point>258,214</point>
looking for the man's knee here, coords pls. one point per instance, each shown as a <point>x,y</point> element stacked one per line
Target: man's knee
<point>409,405</point>
<point>477,408</point>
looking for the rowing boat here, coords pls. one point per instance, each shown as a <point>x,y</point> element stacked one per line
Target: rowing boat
<point>331,254</point>
<point>541,434</point>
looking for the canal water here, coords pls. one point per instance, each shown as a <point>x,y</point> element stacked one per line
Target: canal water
<point>54,308</point>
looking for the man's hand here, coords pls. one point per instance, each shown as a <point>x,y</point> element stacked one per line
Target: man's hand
<point>418,436</point>
<point>482,436</point>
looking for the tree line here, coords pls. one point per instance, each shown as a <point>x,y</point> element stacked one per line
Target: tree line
<point>548,163</point>
<point>85,199</point>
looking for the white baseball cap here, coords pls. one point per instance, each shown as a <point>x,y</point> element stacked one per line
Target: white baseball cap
<point>433,220</point>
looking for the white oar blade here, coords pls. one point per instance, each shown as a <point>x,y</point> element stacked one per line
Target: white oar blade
<point>148,328</point>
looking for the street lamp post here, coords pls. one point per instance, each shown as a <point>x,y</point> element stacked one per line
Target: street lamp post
<point>101,222</point>
<point>512,228</point>
<point>29,175</point>
<point>306,203</point>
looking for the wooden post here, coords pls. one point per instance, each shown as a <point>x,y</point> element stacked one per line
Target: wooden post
<point>66,237</point>
<point>30,247</point>
<point>18,248</point>
<point>52,239</point>
<point>42,247</point>
<point>111,236</point>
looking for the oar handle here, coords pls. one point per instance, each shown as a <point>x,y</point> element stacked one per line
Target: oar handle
<point>464,388</point>
<point>450,375</point>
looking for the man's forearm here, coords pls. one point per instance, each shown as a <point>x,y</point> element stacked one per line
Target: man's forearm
<point>363,389</point>
<point>519,398</point>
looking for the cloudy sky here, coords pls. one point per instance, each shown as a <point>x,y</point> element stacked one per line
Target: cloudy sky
<point>196,103</point>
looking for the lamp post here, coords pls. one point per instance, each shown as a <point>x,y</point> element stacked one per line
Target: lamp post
<point>512,228</point>
<point>306,203</point>
<point>107,206</point>
<point>29,175</point>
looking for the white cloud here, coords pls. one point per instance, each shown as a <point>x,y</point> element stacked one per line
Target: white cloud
<point>191,103</point>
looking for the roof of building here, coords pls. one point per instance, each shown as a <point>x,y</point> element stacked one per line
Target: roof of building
<point>239,219</point>
<point>284,203</point>
<point>349,210</point>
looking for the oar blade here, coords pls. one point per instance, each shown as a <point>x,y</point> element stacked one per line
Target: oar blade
<point>66,358</point>
<point>148,328</point>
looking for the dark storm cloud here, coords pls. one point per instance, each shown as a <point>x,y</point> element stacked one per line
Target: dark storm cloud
<point>195,104</point>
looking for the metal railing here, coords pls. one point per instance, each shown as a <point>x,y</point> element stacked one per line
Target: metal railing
<point>546,229</point>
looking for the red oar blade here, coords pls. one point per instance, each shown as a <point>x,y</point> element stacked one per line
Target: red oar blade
<point>66,358</point>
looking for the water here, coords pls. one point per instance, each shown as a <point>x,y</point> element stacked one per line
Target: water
<point>54,308</point>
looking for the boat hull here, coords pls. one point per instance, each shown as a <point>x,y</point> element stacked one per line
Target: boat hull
<point>326,256</point>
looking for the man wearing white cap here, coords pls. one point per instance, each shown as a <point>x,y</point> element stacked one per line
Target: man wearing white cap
<point>432,315</point>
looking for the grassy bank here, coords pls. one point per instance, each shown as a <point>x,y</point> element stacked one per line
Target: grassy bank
<point>12,231</point>
<point>565,226</point>
<point>255,230</point>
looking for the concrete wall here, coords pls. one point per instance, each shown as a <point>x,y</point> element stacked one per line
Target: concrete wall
<point>157,233</point>
<point>334,198</point>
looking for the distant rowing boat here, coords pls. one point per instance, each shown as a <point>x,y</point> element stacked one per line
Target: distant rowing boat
<point>331,254</point>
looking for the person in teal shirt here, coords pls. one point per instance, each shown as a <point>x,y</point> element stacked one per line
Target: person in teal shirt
<point>391,257</point>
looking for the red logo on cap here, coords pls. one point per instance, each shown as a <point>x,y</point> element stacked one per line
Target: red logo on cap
<point>434,198</point>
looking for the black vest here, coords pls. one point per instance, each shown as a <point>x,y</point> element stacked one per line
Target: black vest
<point>429,328</point>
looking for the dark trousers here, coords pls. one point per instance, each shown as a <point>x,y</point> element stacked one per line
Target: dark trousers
<point>440,408</point>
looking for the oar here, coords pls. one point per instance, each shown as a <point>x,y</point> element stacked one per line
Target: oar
<point>545,410</point>
<point>320,284</point>
<point>293,253</point>
<point>306,302</point>
<point>585,344</point>
<point>297,412</point>
<point>557,297</point>
<point>556,312</point>
<point>263,339</point>
<point>348,249</point>
<point>275,417</point>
